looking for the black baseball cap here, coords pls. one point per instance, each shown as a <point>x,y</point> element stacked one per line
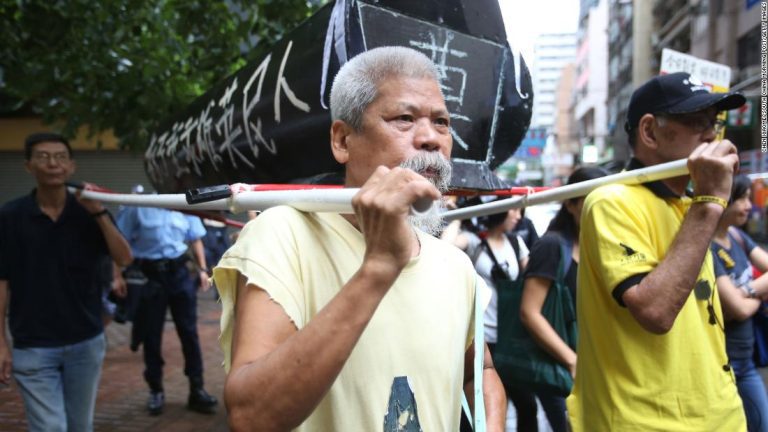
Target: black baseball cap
<point>676,93</point>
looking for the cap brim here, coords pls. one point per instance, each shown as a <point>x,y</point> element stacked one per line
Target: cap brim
<point>702,101</point>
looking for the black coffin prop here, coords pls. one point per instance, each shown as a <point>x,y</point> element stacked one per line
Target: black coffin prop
<point>269,122</point>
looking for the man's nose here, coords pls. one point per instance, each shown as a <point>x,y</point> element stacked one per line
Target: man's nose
<point>426,137</point>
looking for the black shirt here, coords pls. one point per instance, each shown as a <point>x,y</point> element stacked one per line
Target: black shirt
<point>52,270</point>
<point>544,262</point>
<point>527,232</point>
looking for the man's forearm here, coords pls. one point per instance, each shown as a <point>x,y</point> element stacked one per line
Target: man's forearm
<point>280,389</point>
<point>118,247</point>
<point>494,396</point>
<point>495,401</point>
<point>656,301</point>
<point>198,251</point>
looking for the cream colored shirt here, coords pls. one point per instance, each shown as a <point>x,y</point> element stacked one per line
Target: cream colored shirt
<point>421,329</point>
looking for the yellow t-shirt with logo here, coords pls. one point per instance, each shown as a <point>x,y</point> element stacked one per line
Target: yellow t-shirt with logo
<point>421,330</point>
<point>627,378</point>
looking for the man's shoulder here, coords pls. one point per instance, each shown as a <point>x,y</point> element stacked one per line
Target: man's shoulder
<point>284,216</point>
<point>16,205</point>
<point>447,250</point>
<point>619,197</point>
<point>279,221</point>
<point>616,191</point>
<point>283,211</point>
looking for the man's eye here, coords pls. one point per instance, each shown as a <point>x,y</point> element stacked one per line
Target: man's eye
<point>442,121</point>
<point>405,118</point>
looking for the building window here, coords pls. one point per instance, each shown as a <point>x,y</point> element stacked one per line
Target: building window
<point>749,49</point>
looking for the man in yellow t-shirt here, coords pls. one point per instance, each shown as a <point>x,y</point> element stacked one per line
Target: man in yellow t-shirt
<point>358,322</point>
<point>651,341</point>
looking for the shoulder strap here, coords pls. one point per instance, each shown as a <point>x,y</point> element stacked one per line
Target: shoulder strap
<point>566,249</point>
<point>488,249</point>
<point>513,240</point>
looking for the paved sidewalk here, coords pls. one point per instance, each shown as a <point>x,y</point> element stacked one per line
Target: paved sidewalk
<point>123,393</point>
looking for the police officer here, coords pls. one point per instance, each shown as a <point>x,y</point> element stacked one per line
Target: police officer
<point>160,240</point>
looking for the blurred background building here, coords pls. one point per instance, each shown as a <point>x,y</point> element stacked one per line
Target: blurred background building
<point>616,48</point>
<point>590,92</point>
<point>539,155</point>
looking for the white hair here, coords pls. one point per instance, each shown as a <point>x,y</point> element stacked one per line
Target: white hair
<point>356,84</point>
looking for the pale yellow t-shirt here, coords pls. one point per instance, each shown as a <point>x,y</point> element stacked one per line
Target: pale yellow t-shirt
<point>627,378</point>
<point>421,329</point>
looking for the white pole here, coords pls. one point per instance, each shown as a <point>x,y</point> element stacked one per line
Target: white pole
<point>340,200</point>
<point>643,175</point>
<point>169,201</point>
<point>308,200</point>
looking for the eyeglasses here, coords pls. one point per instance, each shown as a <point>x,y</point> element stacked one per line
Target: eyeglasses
<point>45,157</point>
<point>703,291</point>
<point>697,122</point>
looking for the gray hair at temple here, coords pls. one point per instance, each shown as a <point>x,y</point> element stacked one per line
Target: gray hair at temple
<point>356,84</point>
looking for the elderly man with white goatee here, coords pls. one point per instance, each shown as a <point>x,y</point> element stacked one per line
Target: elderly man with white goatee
<point>359,322</point>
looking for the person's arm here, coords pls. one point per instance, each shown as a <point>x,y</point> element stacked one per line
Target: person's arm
<point>453,234</point>
<point>535,292</point>
<point>5,352</point>
<point>759,258</point>
<point>198,252</point>
<point>760,285</point>
<point>658,298</point>
<point>736,305</point>
<point>279,374</point>
<point>494,396</point>
<point>119,286</point>
<point>118,247</point>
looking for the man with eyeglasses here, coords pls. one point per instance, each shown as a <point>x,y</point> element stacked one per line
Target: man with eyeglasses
<point>651,345</point>
<point>50,245</point>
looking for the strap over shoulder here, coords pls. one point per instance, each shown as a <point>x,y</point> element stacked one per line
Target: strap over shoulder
<point>566,250</point>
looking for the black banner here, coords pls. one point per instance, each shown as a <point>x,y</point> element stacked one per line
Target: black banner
<point>269,122</point>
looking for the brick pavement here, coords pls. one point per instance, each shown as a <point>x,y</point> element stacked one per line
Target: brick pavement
<point>123,393</point>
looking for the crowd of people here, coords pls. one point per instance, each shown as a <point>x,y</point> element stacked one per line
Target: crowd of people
<point>636,309</point>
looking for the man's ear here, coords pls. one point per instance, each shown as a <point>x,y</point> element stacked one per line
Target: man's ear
<point>340,134</point>
<point>646,132</point>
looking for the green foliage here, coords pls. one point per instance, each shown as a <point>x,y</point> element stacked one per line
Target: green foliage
<point>126,64</point>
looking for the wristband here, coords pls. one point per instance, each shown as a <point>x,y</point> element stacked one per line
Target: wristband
<point>710,199</point>
<point>100,213</point>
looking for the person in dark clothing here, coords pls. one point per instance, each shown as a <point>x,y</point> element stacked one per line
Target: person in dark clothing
<point>526,230</point>
<point>543,265</point>
<point>160,240</point>
<point>50,244</point>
